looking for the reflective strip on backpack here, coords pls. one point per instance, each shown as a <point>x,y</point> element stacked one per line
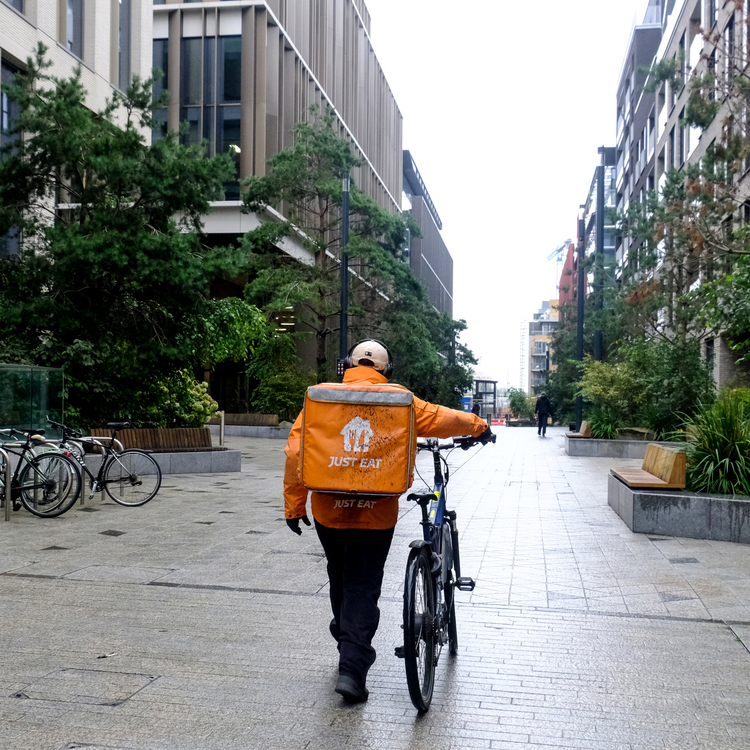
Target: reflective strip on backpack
<point>367,397</point>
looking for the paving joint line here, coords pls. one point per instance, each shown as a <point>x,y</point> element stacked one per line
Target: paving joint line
<point>320,593</point>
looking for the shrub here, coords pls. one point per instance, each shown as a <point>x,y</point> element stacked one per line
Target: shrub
<point>676,383</point>
<point>605,423</point>
<point>613,387</point>
<point>719,452</point>
<point>520,404</point>
<point>176,401</point>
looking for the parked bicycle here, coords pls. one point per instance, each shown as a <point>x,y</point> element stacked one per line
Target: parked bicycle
<point>433,573</point>
<point>46,484</point>
<point>130,477</point>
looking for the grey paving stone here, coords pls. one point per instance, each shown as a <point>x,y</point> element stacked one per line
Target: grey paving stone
<point>613,642</point>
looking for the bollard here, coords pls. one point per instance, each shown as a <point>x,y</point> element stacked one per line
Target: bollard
<point>221,430</point>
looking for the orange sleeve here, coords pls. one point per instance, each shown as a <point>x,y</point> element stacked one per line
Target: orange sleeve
<point>295,495</point>
<point>442,422</point>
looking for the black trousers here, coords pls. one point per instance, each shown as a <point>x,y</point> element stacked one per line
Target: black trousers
<point>356,558</point>
<point>542,424</point>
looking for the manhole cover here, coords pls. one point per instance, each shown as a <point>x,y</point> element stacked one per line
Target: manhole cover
<point>88,686</point>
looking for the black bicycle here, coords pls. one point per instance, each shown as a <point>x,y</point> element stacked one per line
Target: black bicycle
<point>130,477</point>
<point>433,573</point>
<point>46,483</point>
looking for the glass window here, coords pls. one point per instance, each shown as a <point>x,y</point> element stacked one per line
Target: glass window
<point>192,115</point>
<point>209,66</point>
<point>191,73</point>
<point>74,27</point>
<point>6,106</point>
<point>124,51</point>
<point>161,61</point>
<point>160,127</point>
<point>10,243</point>
<point>209,130</point>
<point>228,137</point>
<point>17,4</point>
<point>230,68</point>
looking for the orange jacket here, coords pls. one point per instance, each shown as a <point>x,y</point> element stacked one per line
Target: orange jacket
<point>349,512</point>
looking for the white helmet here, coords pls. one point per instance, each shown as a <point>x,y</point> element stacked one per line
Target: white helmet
<point>371,353</point>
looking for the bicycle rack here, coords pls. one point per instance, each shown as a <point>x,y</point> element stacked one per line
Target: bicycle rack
<point>6,462</point>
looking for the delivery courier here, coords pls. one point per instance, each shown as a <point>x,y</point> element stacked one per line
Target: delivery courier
<point>354,446</point>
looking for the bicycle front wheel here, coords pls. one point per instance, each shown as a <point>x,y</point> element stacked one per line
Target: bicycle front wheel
<point>49,484</point>
<point>132,477</point>
<point>420,642</point>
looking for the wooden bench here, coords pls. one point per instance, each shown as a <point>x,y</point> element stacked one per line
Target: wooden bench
<point>584,432</point>
<point>662,468</point>
<point>161,440</point>
<point>248,420</point>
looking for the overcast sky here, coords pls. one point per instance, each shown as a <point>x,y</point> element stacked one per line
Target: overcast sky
<point>504,106</point>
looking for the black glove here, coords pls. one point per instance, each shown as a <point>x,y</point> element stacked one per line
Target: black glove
<point>293,524</point>
<point>487,436</point>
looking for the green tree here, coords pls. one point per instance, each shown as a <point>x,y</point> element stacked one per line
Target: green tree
<point>520,404</point>
<point>109,284</point>
<point>305,181</point>
<point>386,301</point>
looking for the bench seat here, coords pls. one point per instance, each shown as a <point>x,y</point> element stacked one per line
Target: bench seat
<point>641,478</point>
<point>584,432</point>
<point>663,468</point>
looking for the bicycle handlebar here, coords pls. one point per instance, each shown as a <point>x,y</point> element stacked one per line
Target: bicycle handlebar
<point>66,431</point>
<point>464,443</point>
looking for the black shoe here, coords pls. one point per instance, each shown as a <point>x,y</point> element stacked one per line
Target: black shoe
<point>350,690</point>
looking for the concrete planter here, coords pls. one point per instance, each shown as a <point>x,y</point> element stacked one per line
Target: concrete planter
<point>597,448</point>
<point>216,461</point>
<point>723,518</point>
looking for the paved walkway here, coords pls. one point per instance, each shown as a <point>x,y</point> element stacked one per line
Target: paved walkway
<point>200,622</point>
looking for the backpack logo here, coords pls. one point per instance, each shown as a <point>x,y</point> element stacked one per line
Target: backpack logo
<point>354,432</point>
<point>357,433</point>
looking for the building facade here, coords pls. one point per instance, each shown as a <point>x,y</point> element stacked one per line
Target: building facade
<point>429,258</point>
<point>636,126</point>
<point>110,40</point>
<point>540,355</point>
<point>242,74</point>
<point>652,137</point>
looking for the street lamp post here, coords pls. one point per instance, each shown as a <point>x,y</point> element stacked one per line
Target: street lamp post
<point>344,325</point>
<point>581,293</point>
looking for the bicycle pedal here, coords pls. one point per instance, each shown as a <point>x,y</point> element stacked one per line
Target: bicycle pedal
<point>465,584</point>
<point>399,651</point>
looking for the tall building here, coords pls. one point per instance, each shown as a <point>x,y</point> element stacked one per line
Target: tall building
<point>241,74</point>
<point>540,354</point>
<point>110,40</point>
<point>597,214</point>
<point>428,256</point>
<point>700,35</point>
<point>636,125</point>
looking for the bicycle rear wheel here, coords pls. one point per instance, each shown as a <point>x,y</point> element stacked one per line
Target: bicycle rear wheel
<point>132,477</point>
<point>420,642</point>
<point>49,484</point>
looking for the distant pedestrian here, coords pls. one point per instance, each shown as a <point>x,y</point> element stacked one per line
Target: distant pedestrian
<point>475,408</point>
<point>542,410</point>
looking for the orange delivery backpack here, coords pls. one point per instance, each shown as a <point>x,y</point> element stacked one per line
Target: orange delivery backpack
<point>359,440</point>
